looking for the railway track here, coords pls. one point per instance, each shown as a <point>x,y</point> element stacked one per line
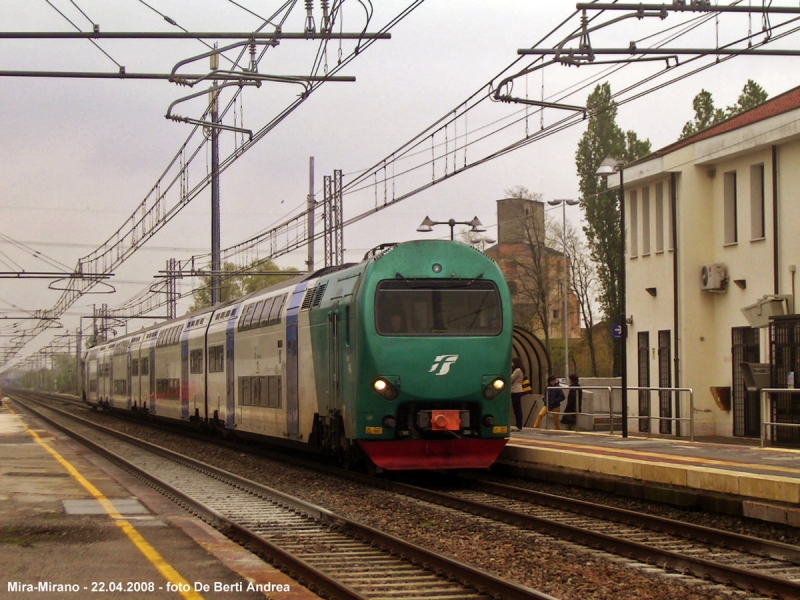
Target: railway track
<point>752,564</point>
<point>333,556</point>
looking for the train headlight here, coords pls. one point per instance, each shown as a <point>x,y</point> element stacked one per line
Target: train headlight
<point>492,386</point>
<point>389,422</point>
<point>488,420</point>
<point>385,388</point>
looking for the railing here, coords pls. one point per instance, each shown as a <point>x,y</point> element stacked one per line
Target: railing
<point>566,391</point>
<point>766,400</point>
<point>648,416</point>
<point>676,398</point>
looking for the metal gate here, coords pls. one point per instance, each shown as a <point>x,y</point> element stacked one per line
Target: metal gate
<point>784,352</point>
<point>644,378</point>
<point>665,381</point>
<point>745,347</point>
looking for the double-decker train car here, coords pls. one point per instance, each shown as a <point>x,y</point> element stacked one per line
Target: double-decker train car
<point>403,359</point>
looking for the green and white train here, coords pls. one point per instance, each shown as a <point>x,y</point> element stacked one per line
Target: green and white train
<point>403,359</point>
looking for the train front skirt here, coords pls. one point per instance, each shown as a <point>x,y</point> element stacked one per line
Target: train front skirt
<point>434,454</point>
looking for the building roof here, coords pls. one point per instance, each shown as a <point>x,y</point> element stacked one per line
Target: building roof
<point>779,104</point>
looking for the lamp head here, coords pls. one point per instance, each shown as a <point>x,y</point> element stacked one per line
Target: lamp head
<point>609,166</point>
<point>476,225</point>
<point>425,226</point>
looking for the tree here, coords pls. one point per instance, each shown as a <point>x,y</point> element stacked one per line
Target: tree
<point>752,95</point>
<point>603,138</point>
<point>236,282</point>
<point>706,115</point>
<point>583,283</point>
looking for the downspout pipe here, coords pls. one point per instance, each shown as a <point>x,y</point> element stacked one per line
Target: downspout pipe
<point>775,240</point>
<point>673,193</point>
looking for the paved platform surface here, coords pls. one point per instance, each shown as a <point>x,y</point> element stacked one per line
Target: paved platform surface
<point>762,483</point>
<point>59,540</point>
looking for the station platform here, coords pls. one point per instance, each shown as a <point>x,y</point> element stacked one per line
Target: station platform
<point>728,475</point>
<point>73,525</point>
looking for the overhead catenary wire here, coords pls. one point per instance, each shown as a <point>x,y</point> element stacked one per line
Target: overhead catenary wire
<point>557,127</point>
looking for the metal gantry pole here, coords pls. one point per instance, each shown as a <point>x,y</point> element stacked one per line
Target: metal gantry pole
<point>566,290</point>
<point>310,219</point>
<point>622,304</point>
<point>216,292</point>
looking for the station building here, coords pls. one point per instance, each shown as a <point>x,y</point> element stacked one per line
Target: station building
<point>712,247</point>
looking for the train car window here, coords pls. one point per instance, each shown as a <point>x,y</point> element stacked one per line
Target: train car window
<point>438,307</point>
<point>145,366</point>
<point>216,359</point>
<point>135,367</point>
<point>260,391</point>
<point>277,308</point>
<point>247,315</point>
<point>274,386</point>
<point>255,317</point>
<point>196,361</point>
<point>245,391</point>
<point>263,317</point>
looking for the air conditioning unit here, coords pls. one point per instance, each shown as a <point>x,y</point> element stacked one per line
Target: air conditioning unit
<point>714,277</point>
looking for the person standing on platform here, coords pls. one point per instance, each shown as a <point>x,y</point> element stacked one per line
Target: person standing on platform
<point>574,398</point>
<point>552,402</point>
<point>517,375</point>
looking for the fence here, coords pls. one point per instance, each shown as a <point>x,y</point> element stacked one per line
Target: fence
<point>675,394</point>
<point>766,411</point>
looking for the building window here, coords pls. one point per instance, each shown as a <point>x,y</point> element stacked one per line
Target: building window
<point>757,226</point>
<point>729,199</point>
<point>634,224</point>
<point>659,217</point>
<point>645,221</point>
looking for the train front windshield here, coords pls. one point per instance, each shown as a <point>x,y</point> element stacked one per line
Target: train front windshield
<point>438,307</point>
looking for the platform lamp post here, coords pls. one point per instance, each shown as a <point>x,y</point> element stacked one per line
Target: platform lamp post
<point>564,204</point>
<point>427,225</point>
<point>609,167</point>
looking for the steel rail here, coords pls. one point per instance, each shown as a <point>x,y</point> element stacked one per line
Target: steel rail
<point>483,581</point>
<point>778,550</point>
<point>670,561</point>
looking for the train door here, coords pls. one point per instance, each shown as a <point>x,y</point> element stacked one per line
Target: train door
<point>110,380</point>
<point>230,387</point>
<point>152,372</point>
<point>98,375</point>
<point>292,363</point>
<point>185,375</point>
<point>130,379</point>
<point>334,358</point>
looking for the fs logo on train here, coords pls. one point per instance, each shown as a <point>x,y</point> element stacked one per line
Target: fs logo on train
<point>442,363</point>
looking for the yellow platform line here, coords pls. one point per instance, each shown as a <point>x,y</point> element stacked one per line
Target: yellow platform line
<point>623,453</point>
<point>158,561</point>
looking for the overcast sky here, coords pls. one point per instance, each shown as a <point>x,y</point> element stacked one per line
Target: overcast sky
<point>79,155</point>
